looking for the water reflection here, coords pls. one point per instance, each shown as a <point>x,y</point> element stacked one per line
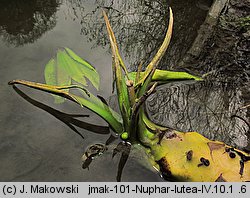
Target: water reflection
<point>140,26</point>
<point>212,109</point>
<point>68,119</point>
<point>124,148</point>
<point>24,21</point>
<point>94,150</point>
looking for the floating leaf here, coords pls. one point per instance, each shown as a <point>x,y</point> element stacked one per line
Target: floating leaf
<point>172,161</point>
<point>209,160</point>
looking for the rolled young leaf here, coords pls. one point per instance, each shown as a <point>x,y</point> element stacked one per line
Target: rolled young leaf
<point>165,75</point>
<point>121,87</point>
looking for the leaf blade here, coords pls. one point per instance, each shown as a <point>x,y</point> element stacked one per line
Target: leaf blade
<point>86,69</point>
<point>56,76</point>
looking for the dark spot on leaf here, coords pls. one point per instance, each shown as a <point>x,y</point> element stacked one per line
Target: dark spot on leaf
<point>241,167</point>
<point>244,158</point>
<point>204,162</point>
<point>171,136</point>
<point>229,149</point>
<point>189,155</point>
<point>232,155</point>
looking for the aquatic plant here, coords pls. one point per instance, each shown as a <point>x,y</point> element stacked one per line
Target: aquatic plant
<point>179,156</point>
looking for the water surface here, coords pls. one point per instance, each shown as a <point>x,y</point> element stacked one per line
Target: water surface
<point>38,138</point>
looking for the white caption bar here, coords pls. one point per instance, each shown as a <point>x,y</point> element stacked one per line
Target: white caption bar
<point>123,189</point>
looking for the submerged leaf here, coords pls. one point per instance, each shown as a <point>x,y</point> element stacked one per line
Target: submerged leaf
<point>67,66</point>
<point>77,68</point>
<point>56,76</point>
<point>79,59</point>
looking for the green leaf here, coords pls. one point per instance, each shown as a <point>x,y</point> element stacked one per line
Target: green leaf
<point>89,101</point>
<point>79,59</point>
<point>164,75</point>
<point>86,69</point>
<point>143,89</point>
<point>76,70</point>
<point>96,105</point>
<point>56,76</point>
<point>145,135</point>
<point>121,87</point>
<point>152,126</point>
<point>113,41</point>
<point>67,66</point>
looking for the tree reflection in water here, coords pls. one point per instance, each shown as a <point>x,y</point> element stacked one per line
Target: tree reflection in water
<point>212,109</point>
<point>140,26</point>
<point>24,21</point>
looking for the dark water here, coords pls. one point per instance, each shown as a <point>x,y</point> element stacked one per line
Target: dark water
<point>217,110</point>
<point>37,142</point>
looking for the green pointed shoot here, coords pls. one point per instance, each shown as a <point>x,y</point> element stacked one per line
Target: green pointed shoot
<point>164,75</point>
<point>112,37</point>
<point>121,87</point>
<point>154,63</point>
<point>67,66</point>
<point>89,101</point>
